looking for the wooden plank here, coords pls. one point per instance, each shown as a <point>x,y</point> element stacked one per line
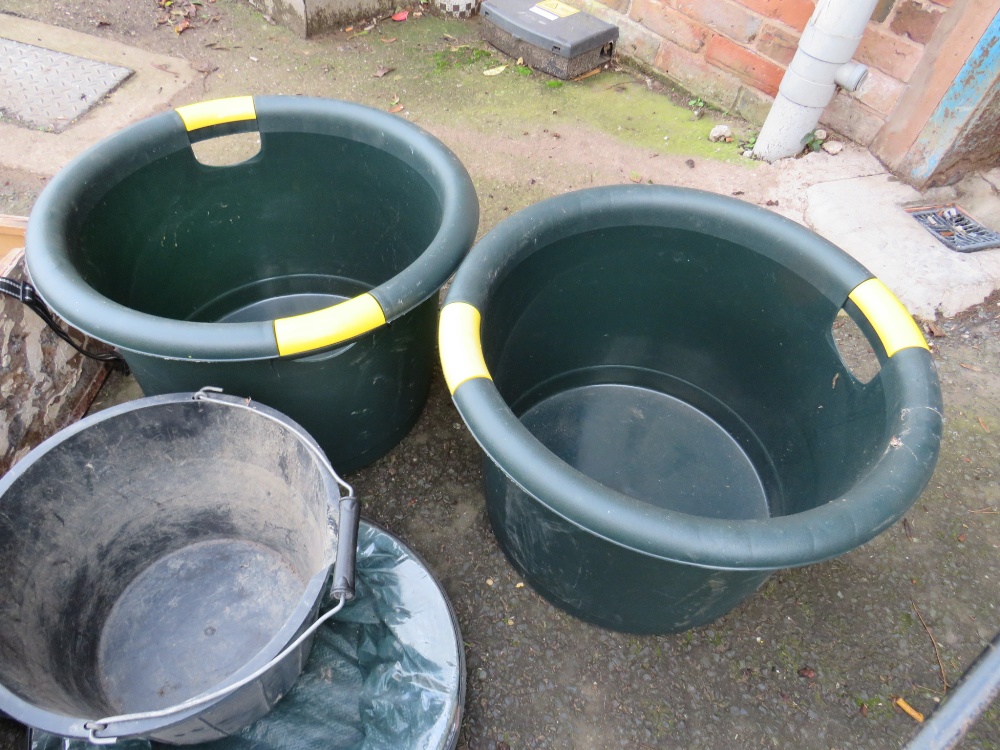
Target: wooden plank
<point>12,229</point>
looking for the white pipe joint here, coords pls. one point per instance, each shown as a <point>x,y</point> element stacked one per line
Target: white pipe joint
<point>851,75</point>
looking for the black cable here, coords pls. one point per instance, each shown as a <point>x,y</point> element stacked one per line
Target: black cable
<point>25,292</point>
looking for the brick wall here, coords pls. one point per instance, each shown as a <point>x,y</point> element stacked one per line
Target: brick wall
<point>733,53</point>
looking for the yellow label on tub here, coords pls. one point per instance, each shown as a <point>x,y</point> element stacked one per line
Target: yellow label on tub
<point>557,8</point>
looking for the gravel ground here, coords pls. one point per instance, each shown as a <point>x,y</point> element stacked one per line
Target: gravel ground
<point>817,657</point>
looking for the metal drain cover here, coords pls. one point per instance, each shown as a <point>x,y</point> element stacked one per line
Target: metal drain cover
<point>955,228</point>
<point>48,90</point>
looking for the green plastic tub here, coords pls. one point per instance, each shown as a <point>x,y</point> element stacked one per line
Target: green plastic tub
<point>666,419</point>
<point>305,277</point>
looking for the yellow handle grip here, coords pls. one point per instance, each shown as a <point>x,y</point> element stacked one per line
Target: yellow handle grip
<point>891,321</point>
<point>460,346</point>
<point>331,325</point>
<point>217,112</point>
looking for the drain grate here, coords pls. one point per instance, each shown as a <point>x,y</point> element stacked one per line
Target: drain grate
<point>955,228</point>
<point>48,90</point>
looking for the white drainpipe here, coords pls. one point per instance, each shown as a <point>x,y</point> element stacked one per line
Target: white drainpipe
<point>821,63</point>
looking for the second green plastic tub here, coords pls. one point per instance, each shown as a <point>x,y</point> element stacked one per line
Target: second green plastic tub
<point>666,419</point>
<point>305,277</point>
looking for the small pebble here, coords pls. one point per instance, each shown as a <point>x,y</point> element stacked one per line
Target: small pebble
<point>720,133</point>
<point>833,147</point>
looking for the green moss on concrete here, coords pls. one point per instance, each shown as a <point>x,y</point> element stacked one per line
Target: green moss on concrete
<point>612,102</point>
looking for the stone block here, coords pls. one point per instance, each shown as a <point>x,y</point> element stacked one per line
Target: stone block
<point>724,16</point>
<point>694,74</point>
<point>880,92</point>
<point>916,20</point>
<point>777,43</point>
<point>745,64</point>
<point>892,54</point>
<point>309,17</point>
<point>852,119</point>
<point>794,13</point>
<point>669,23</point>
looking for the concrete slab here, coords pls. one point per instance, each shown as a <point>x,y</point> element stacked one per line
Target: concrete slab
<point>157,79</point>
<point>866,217</point>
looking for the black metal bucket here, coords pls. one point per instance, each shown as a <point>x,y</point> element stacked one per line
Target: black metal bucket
<point>164,563</point>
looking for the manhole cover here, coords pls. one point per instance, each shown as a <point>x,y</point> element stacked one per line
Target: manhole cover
<point>48,90</point>
<point>955,228</point>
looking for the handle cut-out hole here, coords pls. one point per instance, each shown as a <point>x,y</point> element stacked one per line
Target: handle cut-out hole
<point>854,348</point>
<point>227,150</point>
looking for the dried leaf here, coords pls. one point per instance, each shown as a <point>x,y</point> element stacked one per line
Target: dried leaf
<point>836,377</point>
<point>635,177</point>
<point>520,61</point>
<point>448,38</point>
<point>808,672</point>
<point>935,330</point>
<point>495,71</point>
<point>970,367</point>
<point>382,72</point>
<point>390,40</point>
<point>349,29</point>
<point>983,424</point>
<point>401,16</point>
<point>397,108</point>
<point>182,26</point>
<point>962,537</point>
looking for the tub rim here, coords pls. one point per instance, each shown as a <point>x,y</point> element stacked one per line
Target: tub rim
<point>84,180</point>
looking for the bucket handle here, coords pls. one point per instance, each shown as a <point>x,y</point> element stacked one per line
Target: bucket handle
<point>342,589</point>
